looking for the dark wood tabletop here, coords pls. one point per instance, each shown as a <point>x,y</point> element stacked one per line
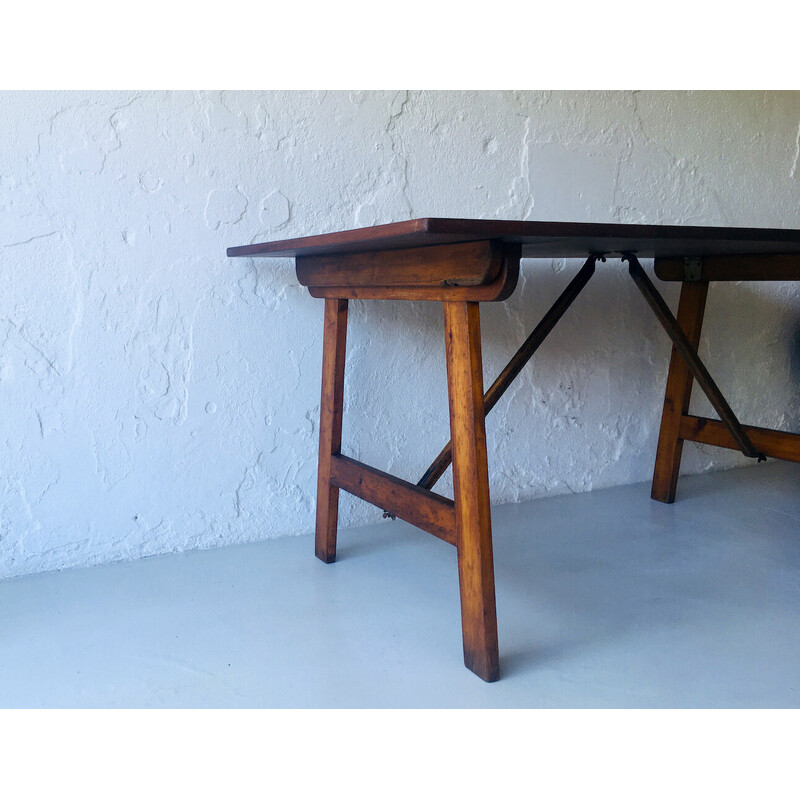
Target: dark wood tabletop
<point>539,239</point>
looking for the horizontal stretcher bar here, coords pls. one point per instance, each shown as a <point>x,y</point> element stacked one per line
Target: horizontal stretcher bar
<point>776,444</point>
<point>483,271</point>
<point>425,509</point>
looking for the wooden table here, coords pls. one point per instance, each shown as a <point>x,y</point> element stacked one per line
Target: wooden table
<point>462,263</point>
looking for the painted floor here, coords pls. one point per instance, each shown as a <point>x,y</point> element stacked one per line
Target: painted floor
<point>605,599</point>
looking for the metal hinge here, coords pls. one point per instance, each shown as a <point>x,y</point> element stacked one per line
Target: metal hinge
<point>693,269</point>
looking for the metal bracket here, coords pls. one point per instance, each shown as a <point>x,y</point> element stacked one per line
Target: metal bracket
<point>692,270</point>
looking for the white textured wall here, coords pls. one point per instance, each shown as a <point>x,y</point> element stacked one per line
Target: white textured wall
<point>156,396</point>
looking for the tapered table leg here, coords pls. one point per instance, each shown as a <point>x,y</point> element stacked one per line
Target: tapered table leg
<point>471,486</point>
<point>678,394</point>
<point>330,425</point>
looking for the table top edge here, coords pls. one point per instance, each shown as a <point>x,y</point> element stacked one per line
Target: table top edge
<point>539,235</point>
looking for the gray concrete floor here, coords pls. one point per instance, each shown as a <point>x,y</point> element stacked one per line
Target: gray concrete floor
<point>605,599</point>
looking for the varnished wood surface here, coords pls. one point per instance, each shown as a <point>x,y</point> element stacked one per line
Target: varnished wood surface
<point>689,354</point>
<point>691,308</point>
<point>772,267</point>
<point>500,265</point>
<point>539,239</point>
<point>428,511</point>
<point>471,488</point>
<point>510,372</point>
<point>462,264</point>
<point>334,340</point>
<point>775,444</point>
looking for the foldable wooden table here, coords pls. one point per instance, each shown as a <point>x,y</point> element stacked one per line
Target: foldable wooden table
<point>462,263</point>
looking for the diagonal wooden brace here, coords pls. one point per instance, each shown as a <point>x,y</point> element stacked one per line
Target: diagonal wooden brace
<point>517,362</point>
<point>689,355</point>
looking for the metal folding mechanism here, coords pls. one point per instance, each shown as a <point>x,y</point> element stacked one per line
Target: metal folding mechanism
<point>689,355</point>
<point>687,352</point>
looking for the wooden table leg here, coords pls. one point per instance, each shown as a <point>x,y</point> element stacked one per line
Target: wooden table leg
<point>471,485</point>
<point>679,390</point>
<point>330,425</point>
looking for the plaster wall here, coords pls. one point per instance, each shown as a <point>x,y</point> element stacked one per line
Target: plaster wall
<point>157,396</point>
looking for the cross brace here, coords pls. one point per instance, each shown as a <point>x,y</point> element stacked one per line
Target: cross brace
<point>689,355</point>
<point>529,347</point>
<point>517,362</point>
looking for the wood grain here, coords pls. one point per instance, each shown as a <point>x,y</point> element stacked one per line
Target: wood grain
<point>467,264</point>
<point>471,487</point>
<point>776,444</point>
<point>334,340</point>
<point>499,288</point>
<point>758,267</point>
<point>428,511</point>
<point>691,309</point>
<point>510,372</point>
<point>689,354</point>
<point>539,239</point>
